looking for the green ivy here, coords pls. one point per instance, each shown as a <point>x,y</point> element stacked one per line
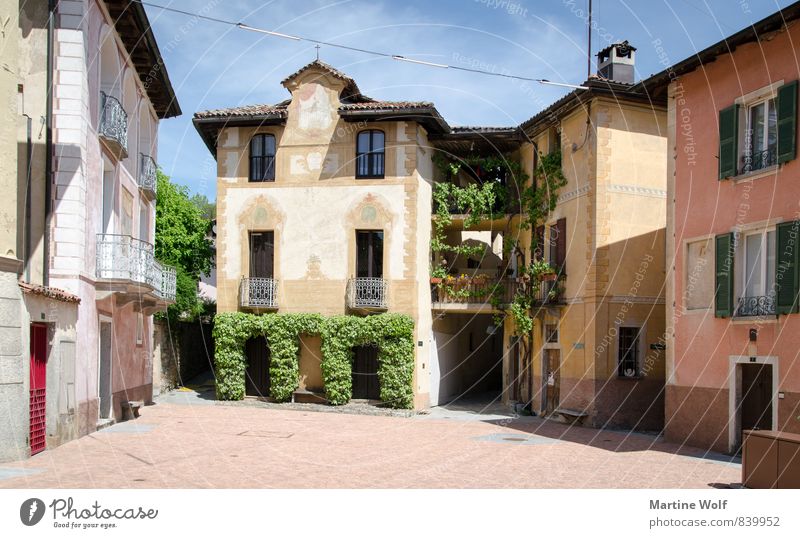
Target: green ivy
<point>393,334</point>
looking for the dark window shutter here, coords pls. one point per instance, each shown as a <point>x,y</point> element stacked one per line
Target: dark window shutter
<point>561,245</point>
<point>538,250</point>
<point>787,122</point>
<point>787,275</point>
<point>723,296</point>
<point>728,134</point>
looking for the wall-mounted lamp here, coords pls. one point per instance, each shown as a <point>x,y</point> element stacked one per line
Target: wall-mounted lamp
<point>753,335</point>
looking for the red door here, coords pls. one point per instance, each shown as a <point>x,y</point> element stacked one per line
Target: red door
<point>38,385</point>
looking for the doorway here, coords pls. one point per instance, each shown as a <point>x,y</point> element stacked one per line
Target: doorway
<point>38,388</point>
<point>365,374</point>
<point>257,382</point>
<point>552,379</point>
<point>756,405</point>
<point>104,381</point>
<point>262,254</point>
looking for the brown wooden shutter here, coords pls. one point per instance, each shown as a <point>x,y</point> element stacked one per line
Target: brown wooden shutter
<point>538,247</point>
<point>787,122</point>
<point>561,245</point>
<point>728,141</point>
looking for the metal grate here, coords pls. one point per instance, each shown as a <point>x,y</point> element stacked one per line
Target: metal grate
<point>366,292</point>
<point>38,427</point>
<point>258,292</point>
<point>148,178</point>
<point>761,305</point>
<point>122,257</point>
<point>113,120</point>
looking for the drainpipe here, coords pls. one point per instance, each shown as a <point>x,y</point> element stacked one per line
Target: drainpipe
<point>48,164</point>
<point>27,233</point>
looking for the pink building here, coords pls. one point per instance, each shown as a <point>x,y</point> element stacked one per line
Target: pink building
<point>110,89</point>
<point>733,339</point>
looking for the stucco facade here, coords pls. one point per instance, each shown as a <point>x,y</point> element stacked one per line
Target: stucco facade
<point>314,207</point>
<point>613,148</point>
<point>712,349</point>
<point>74,172</point>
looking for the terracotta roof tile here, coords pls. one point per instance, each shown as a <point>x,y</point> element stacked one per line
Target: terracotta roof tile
<point>245,111</point>
<point>50,293</point>
<point>386,105</point>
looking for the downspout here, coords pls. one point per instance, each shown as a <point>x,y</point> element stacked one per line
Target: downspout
<point>27,238</point>
<point>48,163</point>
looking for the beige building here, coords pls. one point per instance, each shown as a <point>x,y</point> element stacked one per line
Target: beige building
<point>324,204</point>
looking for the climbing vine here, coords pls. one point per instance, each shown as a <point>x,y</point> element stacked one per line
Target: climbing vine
<point>392,334</point>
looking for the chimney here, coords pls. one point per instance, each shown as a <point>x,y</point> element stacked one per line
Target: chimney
<point>616,61</point>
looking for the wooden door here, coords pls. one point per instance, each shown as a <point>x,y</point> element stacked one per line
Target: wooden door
<point>365,374</point>
<point>38,388</point>
<point>756,397</point>
<point>104,383</point>
<point>257,375</point>
<point>369,254</point>
<point>262,254</point>
<point>552,381</point>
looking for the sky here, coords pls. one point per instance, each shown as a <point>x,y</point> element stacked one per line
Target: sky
<point>213,65</point>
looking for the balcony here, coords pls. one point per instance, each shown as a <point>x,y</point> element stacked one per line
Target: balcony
<point>127,267</point>
<point>147,177</point>
<point>258,293</point>
<point>474,294</point>
<point>757,306</point>
<point>755,161</point>
<point>367,294</point>
<point>113,125</point>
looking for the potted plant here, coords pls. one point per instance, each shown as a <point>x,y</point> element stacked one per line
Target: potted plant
<point>543,271</point>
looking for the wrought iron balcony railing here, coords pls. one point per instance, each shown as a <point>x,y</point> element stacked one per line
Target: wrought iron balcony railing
<point>367,293</point>
<point>758,160</point>
<point>168,282</point>
<point>147,176</point>
<point>760,305</point>
<point>126,259</point>
<point>114,123</point>
<point>258,292</point>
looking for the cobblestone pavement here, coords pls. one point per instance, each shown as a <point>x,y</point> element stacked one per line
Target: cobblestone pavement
<point>176,444</point>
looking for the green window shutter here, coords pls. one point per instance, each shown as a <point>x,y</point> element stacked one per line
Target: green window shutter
<point>723,296</point>
<point>787,256</point>
<point>728,143</point>
<point>787,122</point>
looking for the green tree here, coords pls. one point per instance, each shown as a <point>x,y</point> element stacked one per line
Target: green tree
<point>182,241</point>
<point>207,208</point>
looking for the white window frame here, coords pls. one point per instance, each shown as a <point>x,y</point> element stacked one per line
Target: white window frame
<point>746,102</point>
<point>741,259</point>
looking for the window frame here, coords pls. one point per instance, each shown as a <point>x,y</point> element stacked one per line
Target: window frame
<point>745,148</point>
<point>264,158</point>
<point>740,288</point>
<point>371,166</point>
<point>639,338</point>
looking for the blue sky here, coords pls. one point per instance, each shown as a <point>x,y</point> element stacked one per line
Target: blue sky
<point>213,65</point>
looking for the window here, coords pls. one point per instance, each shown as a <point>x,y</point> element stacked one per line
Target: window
<point>262,158</point>
<point>262,254</point>
<point>558,245</point>
<point>369,154</point>
<point>767,280</point>
<point>628,352</point>
<point>760,136</point>
<point>758,131</point>
<point>369,254</point>
<point>551,333</point>
<point>139,329</point>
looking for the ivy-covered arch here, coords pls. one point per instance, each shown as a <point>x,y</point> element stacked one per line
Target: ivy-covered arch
<point>393,334</point>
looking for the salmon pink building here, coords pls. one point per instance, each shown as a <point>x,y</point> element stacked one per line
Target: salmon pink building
<point>733,338</point>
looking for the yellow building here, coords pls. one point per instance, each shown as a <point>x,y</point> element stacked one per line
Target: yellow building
<point>600,355</point>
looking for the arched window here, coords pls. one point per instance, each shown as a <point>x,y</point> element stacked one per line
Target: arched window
<point>369,154</point>
<point>262,158</point>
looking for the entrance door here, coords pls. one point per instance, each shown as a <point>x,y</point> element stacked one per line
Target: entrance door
<point>38,394</point>
<point>552,379</point>
<point>262,254</point>
<point>369,255</point>
<point>756,406</point>
<point>104,388</point>
<point>365,374</point>
<point>257,375</point>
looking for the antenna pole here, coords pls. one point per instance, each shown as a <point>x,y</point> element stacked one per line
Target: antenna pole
<point>589,46</point>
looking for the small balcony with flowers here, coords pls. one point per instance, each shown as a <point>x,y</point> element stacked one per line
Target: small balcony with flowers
<point>127,267</point>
